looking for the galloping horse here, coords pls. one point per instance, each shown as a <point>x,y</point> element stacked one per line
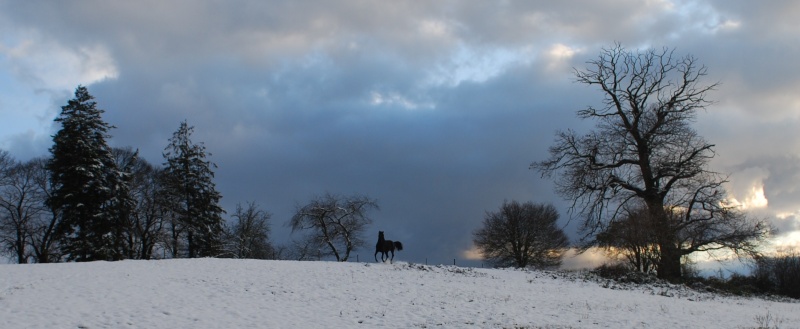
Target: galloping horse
<point>385,246</point>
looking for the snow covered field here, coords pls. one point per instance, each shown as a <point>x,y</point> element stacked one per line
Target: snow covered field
<point>225,293</point>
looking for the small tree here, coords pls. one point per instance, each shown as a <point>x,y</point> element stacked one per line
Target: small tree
<point>144,225</point>
<point>21,203</point>
<point>632,238</point>
<point>189,183</point>
<point>336,224</point>
<point>248,235</point>
<point>522,235</point>
<point>44,239</point>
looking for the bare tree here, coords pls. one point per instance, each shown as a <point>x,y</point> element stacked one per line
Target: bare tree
<point>144,227</point>
<point>27,225</point>
<point>44,239</point>
<point>21,203</point>
<point>632,238</point>
<point>6,163</point>
<point>643,150</point>
<point>336,223</point>
<point>305,248</point>
<point>248,235</point>
<point>522,235</point>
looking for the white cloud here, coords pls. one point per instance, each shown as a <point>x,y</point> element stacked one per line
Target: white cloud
<point>435,28</point>
<point>787,242</point>
<point>589,259</point>
<point>472,64</point>
<point>747,188</point>
<point>752,199</point>
<point>473,253</point>
<point>559,56</point>
<point>703,18</point>
<point>397,99</point>
<point>46,64</point>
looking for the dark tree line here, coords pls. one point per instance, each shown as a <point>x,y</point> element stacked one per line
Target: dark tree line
<point>640,181</point>
<point>779,274</point>
<point>88,201</point>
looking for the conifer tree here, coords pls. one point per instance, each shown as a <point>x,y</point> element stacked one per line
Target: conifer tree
<point>86,182</point>
<point>189,180</point>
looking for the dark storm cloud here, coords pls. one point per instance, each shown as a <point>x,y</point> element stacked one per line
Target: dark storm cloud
<point>434,108</point>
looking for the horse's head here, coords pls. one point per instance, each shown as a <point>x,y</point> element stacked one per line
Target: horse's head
<point>380,234</point>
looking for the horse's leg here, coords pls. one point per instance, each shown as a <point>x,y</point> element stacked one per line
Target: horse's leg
<point>376,255</point>
<point>390,260</point>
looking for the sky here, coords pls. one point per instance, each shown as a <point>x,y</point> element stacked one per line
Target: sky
<point>435,109</point>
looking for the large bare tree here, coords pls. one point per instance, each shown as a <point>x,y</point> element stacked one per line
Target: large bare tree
<point>335,223</point>
<point>644,150</point>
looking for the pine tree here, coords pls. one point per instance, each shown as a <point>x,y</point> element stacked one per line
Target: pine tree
<point>86,182</point>
<point>189,183</point>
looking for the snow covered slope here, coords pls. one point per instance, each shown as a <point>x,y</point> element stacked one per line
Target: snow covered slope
<point>225,293</point>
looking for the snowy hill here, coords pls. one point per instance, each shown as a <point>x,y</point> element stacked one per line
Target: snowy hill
<point>224,293</point>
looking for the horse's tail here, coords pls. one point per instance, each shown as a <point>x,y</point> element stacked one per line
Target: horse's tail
<point>398,245</point>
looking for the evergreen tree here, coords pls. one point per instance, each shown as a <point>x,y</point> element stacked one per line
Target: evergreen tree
<point>86,182</point>
<point>189,184</point>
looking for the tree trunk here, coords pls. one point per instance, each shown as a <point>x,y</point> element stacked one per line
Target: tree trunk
<point>44,257</point>
<point>20,245</point>
<point>669,264</point>
<point>190,243</point>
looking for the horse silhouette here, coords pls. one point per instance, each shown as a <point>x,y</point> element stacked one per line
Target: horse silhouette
<point>385,247</point>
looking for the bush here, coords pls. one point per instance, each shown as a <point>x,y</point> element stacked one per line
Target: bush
<point>737,284</point>
<point>622,273</point>
<point>780,275</point>
<point>612,270</point>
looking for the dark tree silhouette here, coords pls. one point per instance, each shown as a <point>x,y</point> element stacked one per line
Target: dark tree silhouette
<point>144,225</point>
<point>631,237</point>
<point>248,234</point>
<point>336,224</point>
<point>21,204</point>
<point>190,188</point>
<point>643,150</point>
<point>89,189</point>
<point>522,235</point>
<point>44,239</point>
